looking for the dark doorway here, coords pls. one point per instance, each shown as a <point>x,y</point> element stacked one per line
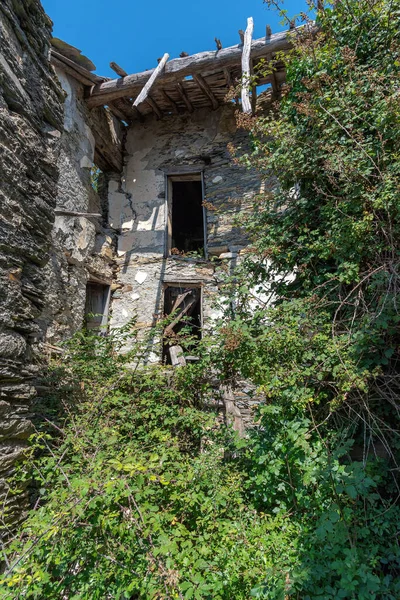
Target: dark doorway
<point>187,216</point>
<point>97,303</point>
<point>183,303</point>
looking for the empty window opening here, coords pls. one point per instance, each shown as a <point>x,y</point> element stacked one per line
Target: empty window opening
<point>97,304</point>
<point>186,215</point>
<point>182,333</point>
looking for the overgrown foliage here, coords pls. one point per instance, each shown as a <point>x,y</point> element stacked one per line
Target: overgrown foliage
<point>140,491</point>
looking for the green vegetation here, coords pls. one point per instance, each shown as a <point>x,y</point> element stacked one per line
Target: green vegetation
<point>141,492</point>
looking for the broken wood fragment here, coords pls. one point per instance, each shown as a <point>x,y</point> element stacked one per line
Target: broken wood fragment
<point>118,70</point>
<point>268,32</point>
<point>146,89</point>
<point>246,74</point>
<point>118,113</point>
<point>202,83</point>
<point>218,43</point>
<point>241,34</point>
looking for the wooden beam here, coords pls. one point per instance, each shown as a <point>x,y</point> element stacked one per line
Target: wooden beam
<point>253,92</point>
<point>118,113</point>
<point>268,32</point>
<point>202,83</point>
<point>168,99</point>
<point>146,89</point>
<point>118,70</point>
<point>70,71</point>
<point>218,43</point>
<point>77,68</point>
<point>229,82</point>
<point>184,97</point>
<point>178,68</point>
<point>241,35</point>
<point>246,74</point>
<point>154,106</point>
<point>274,81</point>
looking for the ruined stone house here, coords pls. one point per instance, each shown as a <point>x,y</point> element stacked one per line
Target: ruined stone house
<point>140,242</point>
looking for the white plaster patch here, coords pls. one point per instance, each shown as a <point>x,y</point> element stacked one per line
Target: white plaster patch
<point>135,296</point>
<point>121,252</point>
<point>154,222</point>
<point>86,163</point>
<point>141,277</point>
<point>217,179</point>
<point>127,226</point>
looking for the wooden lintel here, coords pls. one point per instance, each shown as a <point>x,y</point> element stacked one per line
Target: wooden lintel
<point>156,73</point>
<point>184,97</point>
<point>171,102</point>
<point>118,70</point>
<point>178,68</point>
<point>246,67</point>
<point>202,83</point>
<point>154,106</point>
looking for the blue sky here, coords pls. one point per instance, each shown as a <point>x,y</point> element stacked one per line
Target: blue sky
<point>134,33</point>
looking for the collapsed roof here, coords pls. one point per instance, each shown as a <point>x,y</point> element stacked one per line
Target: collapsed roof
<point>182,84</point>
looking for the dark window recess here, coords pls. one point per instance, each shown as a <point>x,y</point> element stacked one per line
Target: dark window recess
<point>187,216</point>
<point>184,330</point>
<point>96,309</point>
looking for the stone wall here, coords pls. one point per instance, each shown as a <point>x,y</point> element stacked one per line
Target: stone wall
<point>30,125</point>
<point>82,246</point>
<point>138,209</point>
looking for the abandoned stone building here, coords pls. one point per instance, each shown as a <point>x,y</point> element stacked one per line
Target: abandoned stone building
<point>118,197</point>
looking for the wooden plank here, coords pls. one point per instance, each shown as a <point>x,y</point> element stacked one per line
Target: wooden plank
<point>146,89</point>
<point>184,97</point>
<point>154,106</point>
<point>202,83</point>
<point>70,71</point>
<point>246,75</point>
<point>71,213</point>
<point>118,70</point>
<point>179,68</point>
<point>77,68</point>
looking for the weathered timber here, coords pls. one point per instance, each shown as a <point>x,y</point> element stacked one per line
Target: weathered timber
<point>230,83</point>
<point>91,77</point>
<point>202,83</point>
<point>70,71</point>
<point>72,213</point>
<point>154,106</point>
<point>246,74</point>
<point>178,68</point>
<point>253,92</point>
<point>241,35</point>
<point>117,69</point>
<point>184,97</point>
<point>169,100</point>
<point>268,32</point>
<point>218,43</point>
<point>146,89</point>
<point>118,113</point>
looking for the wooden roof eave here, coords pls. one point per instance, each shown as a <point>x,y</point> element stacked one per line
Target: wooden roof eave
<point>177,69</point>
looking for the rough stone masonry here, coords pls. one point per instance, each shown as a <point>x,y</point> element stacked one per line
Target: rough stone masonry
<point>31,109</point>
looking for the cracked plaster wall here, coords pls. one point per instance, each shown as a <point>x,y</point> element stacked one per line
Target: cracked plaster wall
<point>138,209</point>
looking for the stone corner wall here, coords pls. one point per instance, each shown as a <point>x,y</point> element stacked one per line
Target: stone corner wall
<point>30,127</point>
